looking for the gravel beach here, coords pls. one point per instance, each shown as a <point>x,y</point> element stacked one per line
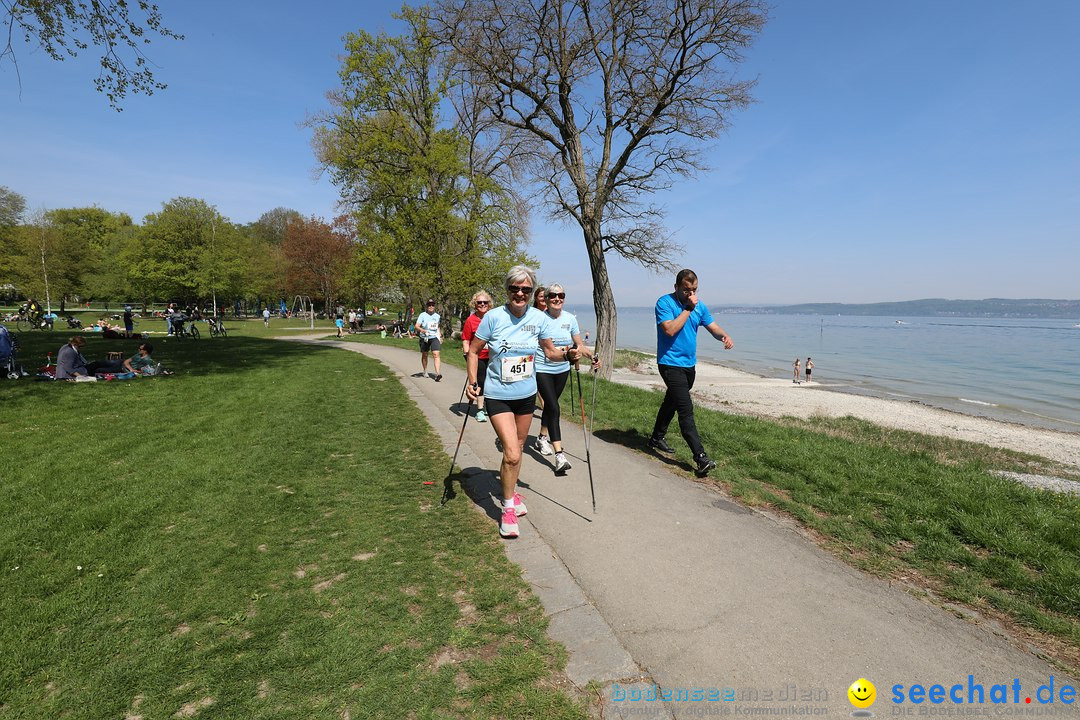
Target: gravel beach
<point>737,391</point>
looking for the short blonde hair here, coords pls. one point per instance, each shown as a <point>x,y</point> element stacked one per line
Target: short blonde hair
<point>516,273</point>
<point>480,294</point>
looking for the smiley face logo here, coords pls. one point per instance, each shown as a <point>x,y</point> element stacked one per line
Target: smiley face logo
<point>862,693</point>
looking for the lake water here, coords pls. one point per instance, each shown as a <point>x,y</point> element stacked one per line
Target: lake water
<point>1018,370</point>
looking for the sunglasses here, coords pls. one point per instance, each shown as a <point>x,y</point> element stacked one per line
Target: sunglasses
<point>515,289</point>
<point>556,296</point>
<point>482,302</point>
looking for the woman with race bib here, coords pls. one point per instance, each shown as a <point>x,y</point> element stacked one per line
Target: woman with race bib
<point>512,334</point>
<point>551,377</point>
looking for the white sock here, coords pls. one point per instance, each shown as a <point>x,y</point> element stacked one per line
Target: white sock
<point>508,504</point>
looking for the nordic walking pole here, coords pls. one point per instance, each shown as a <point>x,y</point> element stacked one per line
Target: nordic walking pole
<point>463,389</point>
<point>592,413</point>
<point>448,484</point>
<point>585,430</point>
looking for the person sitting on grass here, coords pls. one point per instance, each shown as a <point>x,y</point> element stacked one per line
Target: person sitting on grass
<point>141,363</point>
<point>71,363</point>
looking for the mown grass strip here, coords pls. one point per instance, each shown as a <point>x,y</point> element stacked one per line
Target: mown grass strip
<point>251,538</point>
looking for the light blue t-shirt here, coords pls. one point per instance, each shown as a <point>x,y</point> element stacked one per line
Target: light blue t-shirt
<point>681,350</point>
<point>512,344</point>
<point>429,325</point>
<point>562,329</point>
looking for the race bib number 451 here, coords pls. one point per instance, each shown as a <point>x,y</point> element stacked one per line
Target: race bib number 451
<point>517,368</point>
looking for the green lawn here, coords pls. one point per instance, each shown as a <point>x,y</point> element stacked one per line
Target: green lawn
<point>250,538</point>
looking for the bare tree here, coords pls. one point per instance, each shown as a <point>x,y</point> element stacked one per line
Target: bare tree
<point>610,102</point>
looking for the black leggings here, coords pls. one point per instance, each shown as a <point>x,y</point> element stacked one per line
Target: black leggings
<point>551,387</point>
<point>481,372</point>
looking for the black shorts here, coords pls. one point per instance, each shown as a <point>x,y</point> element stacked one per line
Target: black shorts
<point>432,344</point>
<point>523,406</point>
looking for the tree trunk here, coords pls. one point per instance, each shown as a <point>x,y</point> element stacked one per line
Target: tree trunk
<point>607,321</point>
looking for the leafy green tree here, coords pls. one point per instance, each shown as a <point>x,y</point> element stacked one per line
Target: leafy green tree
<point>12,207</point>
<point>109,277</point>
<point>434,218</point>
<point>45,258</point>
<point>62,28</point>
<point>177,257</point>
<point>265,264</point>
<point>88,243</point>
<point>270,227</point>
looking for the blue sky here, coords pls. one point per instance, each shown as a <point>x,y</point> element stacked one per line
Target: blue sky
<point>895,151</point>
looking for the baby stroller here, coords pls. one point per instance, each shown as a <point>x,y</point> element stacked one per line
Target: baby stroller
<point>8,347</point>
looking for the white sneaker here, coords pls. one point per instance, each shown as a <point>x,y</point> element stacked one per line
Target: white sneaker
<point>519,505</point>
<point>561,464</point>
<point>543,445</point>
<point>508,528</point>
<point>481,416</point>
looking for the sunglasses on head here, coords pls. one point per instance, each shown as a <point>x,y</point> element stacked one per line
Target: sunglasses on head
<point>554,296</point>
<point>515,289</point>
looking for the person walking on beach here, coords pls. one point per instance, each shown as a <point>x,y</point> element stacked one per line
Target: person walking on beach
<point>481,303</point>
<point>678,317</point>
<point>511,332</point>
<point>551,376</point>
<point>797,367</point>
<point>427,328</point>
<point>809,368</point>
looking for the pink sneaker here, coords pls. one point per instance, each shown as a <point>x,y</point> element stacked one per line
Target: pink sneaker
<point>519,505</point>
<point>508,528</point>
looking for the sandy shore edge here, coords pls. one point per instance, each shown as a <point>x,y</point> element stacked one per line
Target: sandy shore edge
<point>731,390</point>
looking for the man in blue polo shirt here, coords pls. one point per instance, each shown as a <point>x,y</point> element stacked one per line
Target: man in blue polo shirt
<point>678,317</point>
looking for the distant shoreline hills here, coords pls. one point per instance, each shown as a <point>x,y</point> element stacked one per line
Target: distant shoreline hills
<point>931,307</point>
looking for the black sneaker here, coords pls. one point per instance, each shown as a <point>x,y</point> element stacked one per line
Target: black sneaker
<point>659,444</point>
<point>438,377</point>
<point>704,464</point>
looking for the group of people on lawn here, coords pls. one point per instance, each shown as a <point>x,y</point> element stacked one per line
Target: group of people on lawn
<point>70,362</point>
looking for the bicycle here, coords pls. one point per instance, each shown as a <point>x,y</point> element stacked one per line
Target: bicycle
<point>184,327</point>
<point>30,317</point>
<point>216,328</point>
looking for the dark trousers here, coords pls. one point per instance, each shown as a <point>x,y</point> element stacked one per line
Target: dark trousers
<point>551,388</point>
<point>679,381</point>
<point>105,366</point>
